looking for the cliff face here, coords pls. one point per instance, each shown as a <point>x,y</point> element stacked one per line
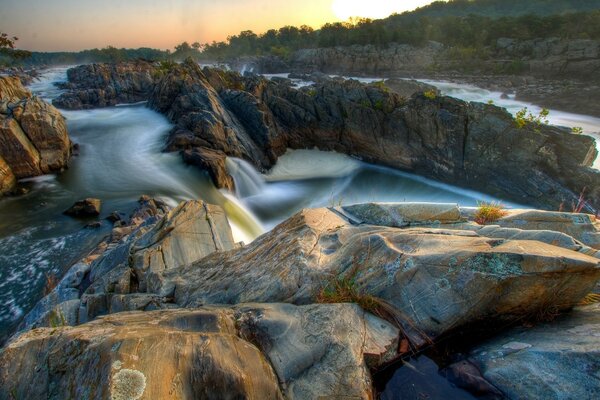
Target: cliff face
<point>33,135</point>
<point>539,57</point>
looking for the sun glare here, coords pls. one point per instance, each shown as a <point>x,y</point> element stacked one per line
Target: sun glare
<point>344,9</point>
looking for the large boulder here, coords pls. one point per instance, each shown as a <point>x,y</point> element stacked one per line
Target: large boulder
<point>33,134</point>
<point>437,279</point>
<point>556,360</point>
<point>104,85</point>
<point>250,351</point>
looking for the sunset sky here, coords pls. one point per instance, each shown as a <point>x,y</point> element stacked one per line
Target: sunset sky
<point>53,25</point>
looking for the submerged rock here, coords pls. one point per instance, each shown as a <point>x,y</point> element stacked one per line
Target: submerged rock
<point>249,351</point>
<point>89,207</point>
<point>33,135</point>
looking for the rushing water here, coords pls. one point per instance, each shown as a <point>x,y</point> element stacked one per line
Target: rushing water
<point>120,159</point>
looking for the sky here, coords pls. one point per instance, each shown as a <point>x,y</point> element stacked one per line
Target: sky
<point>68,25</point>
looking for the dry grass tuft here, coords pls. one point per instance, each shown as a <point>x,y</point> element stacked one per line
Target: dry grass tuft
<point>489,212</point>
<point>345,290</point>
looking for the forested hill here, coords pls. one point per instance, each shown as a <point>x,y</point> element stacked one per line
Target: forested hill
<point>502,8</point>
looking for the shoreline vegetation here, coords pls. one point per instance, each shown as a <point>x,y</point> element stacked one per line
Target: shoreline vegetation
<point>469,30</point>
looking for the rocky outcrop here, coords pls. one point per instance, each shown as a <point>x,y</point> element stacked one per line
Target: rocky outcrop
<point>425,270</point>
<point>219,114</point>
<point>550,361</point>
<point>369,60</point>
<point>553,56</point>
<point>104,85</point>
<point>439,137</point>
<point>33,135</point>
<point>126,274</point>
<point>459,276</point>
<point>249,351</point>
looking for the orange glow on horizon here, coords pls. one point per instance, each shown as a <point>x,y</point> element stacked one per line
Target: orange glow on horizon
<point>70,25</point>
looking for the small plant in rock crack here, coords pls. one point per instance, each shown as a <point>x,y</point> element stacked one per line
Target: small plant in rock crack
<point>489,212</point>
<point>430,94</point>
<point>577,130</point>
<point>525,118</point>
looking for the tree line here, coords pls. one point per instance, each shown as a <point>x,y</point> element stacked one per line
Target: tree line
<point>470,31</point>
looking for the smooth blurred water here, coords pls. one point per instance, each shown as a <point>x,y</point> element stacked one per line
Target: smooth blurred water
<point>120,158</point>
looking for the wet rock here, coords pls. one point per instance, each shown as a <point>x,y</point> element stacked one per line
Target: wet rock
<point>249,351</point>
<point>89,207</point>
<point>550,361</point>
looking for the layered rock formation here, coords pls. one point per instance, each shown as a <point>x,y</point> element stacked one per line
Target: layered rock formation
<point>103,85</point>
<point>219,114</point>
<point>426,270</point>
<point>369,60</point>
<point>467,144</point>
<point>429,267</point>
<point>256,351</point>
<point>33,135</point>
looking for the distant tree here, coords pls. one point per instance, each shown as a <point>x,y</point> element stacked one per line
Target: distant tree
<point>8,53</point>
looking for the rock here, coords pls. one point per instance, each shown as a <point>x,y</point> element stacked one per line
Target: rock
<point>221,114</point>
<point>186,234</point>
<point>312,351</point>
<point>114,217</point>
<point>104,85</point>
<point>367,60</point>
<point>7,178</point>
<point>33,134</point>
<point>550,361</point>
<point>214,162</point>
<point>458,277</point>
<point>401,215</point>
<point>89,207</point>
<point>408,87</point>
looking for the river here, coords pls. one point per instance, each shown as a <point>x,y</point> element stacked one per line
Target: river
<point>121,158</point>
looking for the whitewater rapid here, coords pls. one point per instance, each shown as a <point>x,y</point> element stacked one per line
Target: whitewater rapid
<point>120,158</point>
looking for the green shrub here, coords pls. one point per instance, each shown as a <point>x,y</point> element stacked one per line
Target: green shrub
<point>430,94</point>
<point>525,118</point>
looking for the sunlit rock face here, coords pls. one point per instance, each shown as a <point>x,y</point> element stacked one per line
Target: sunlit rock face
<point>33,135</point>
<point>418,272</point>
<point>249,351</point>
